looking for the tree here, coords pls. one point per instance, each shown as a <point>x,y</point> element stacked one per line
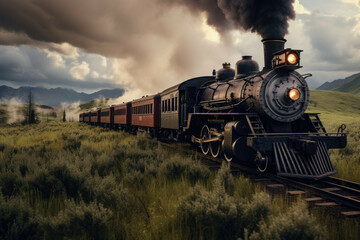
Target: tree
<point>29,111</point>
<point>64,116</point>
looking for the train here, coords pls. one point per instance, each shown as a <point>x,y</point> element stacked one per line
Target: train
<point>243,115</point>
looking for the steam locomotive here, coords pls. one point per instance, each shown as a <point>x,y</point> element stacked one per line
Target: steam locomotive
<point>244,115</point>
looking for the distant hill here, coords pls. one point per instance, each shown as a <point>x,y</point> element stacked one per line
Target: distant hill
<point>353,86</point>
<point>55,96</point>
<point>337,83</point>
<point>334,102</point>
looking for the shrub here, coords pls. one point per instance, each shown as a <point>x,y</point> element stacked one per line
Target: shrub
<point>10,183</point>
<point>216,214</point>
<point>56,180</point>
<point>79,219</point>
<point>103,165</point>
<point>107,191</point>
<point>210,214</point>
<point>17,220</point>
<point>176,167</point>
<point>296,224</point>
<point>224,179</point>
<point>256,210</point>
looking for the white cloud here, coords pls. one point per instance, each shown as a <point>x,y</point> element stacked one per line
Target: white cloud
<point>356,29</point>
<point>65,49</point>
<point>94,74</point>
<point>58,52</point>
<point>104,62</point>
<point>300,9</point>
<point>56,58</point>
<point>80,71</point>
<point>356,2</point>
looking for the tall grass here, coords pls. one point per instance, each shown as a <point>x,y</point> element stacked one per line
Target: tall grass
<point>73,181</point>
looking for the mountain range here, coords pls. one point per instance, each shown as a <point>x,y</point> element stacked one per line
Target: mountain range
<point>56,96</point>
<point>348,84</point>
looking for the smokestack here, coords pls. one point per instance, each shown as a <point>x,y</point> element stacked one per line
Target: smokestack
<point>271,46</point>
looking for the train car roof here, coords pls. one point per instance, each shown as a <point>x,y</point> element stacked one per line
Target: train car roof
<point>106,109</point>
<point>193,82</point>
<point>145,98</point>
<point>121,104</point>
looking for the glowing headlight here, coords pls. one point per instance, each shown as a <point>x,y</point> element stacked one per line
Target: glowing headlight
<point>292,59</point>
<point>294,94</point>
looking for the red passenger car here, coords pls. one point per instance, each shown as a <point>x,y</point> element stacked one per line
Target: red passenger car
<point>86,117</point>
<point>145,112</point>
<point>122,115</point>
<point>95,117</point>
<point>106,116</point>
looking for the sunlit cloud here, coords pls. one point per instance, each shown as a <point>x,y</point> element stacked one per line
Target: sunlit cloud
<point>210,32</point>
<point>300,9</point>
<point>80,71</point>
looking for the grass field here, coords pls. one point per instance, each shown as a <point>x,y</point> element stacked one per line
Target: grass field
<point>337,108</point>
<point>70,180</point>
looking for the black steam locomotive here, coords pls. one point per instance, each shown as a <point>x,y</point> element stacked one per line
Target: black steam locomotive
<point>243,115</point>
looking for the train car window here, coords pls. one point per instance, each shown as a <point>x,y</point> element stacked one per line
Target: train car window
<point>151,108</point>
<point>169,109</point>
<point>172,104</point>
<point>175,103</point>
<point>162,106</point>
<point>119,112</point>
<point>105,114</point>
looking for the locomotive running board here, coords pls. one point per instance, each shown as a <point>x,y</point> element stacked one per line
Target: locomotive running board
<point>292,164</point>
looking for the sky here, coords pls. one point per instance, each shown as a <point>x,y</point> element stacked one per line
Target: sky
<point>148,46</point>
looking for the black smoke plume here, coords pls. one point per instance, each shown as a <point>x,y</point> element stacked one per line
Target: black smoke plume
<point>268,18</point>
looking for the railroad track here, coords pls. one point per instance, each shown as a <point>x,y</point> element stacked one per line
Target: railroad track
<point>327,192</point>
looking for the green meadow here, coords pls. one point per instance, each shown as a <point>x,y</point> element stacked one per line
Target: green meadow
<point>338,108</point>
